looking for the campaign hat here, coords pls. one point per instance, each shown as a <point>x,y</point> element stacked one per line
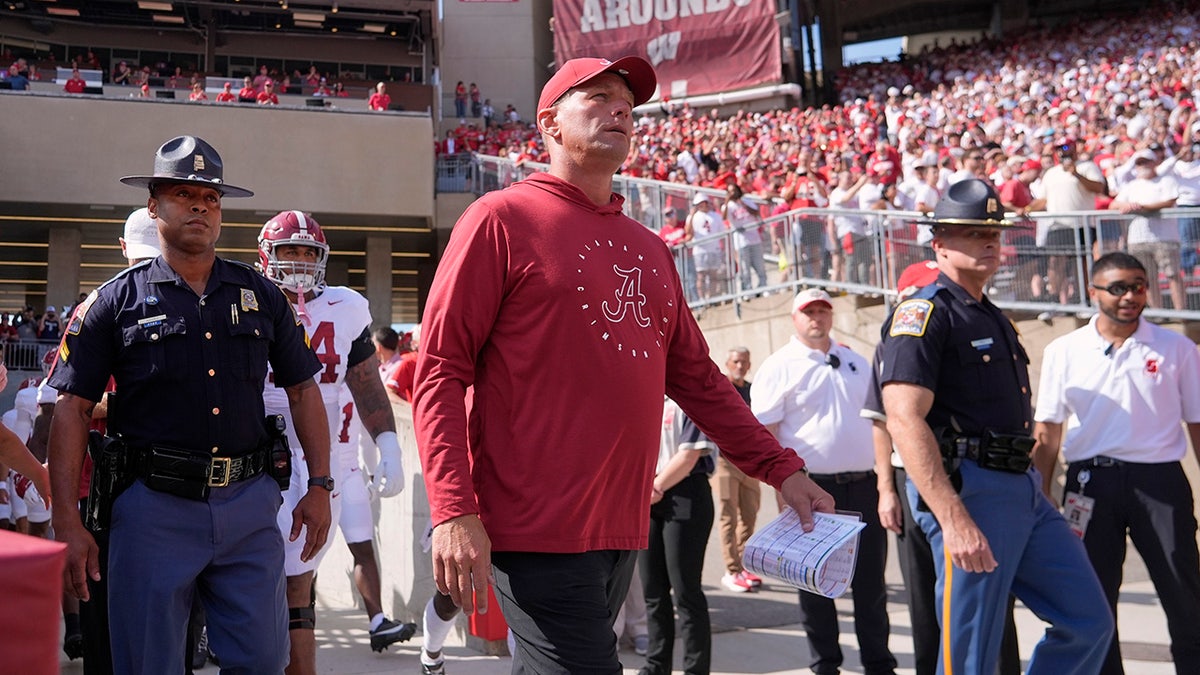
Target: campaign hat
<point>971,202</point>
<point>188,159</point>
<point>637,72</point>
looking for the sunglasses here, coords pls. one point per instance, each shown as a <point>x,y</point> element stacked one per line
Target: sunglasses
<point>1120,288</point>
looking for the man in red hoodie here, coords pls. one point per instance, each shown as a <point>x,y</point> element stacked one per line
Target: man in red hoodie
<point>569,320</point>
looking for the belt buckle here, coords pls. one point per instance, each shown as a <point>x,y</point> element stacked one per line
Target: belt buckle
<point>219,471</point>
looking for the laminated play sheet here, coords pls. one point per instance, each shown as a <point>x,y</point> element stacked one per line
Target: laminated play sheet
<point>821,561</point>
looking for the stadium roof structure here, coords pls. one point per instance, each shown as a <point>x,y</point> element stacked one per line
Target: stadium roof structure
<point>364,18</point>
<point>867,20</point>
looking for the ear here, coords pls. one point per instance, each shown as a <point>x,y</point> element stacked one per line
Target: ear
<point>152,207</point>
<point>547,121</point>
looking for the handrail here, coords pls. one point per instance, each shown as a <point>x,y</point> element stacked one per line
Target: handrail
<point>803,237</point>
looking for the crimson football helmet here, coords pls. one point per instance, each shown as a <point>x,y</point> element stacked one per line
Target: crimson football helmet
<point>297,229</point>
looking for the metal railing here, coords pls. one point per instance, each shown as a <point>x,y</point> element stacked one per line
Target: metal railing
<point>25,354</point>
<point>1045,266</point>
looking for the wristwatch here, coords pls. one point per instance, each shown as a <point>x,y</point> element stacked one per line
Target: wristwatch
<point>321,482</point>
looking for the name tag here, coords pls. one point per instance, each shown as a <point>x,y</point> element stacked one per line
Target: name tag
<point>152,320</point>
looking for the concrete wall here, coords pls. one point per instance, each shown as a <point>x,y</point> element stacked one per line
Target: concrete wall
<point>504,47</point>
<point>68,150</point>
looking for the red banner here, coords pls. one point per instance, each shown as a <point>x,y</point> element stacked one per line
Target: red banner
<point>696,46</point>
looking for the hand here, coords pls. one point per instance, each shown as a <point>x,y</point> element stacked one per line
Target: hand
<point>462,562</point>
<point>967,546</point>
<point>312,513</point>
<point>805,497</point>
<point>83,558</point>
<point>389,475</point>
<point>39,483</point>
<point>3,376</point>
<point>891,514</point>
<point>656,495</point>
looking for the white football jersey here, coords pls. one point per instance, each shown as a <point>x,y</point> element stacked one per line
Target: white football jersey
<point>337,317</point>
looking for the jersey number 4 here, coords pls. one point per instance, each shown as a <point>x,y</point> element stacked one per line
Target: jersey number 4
<point>323,345</point>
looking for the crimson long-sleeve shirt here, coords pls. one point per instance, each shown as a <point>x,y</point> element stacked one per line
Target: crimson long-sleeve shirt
<point>570,322</point>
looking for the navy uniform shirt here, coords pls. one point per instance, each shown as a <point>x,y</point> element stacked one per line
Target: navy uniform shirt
<point>189,370</point>
<point>967,353</point>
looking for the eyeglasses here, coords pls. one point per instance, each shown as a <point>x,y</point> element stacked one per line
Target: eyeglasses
<point>1120,288</point>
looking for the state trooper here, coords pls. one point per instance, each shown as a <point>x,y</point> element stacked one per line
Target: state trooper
<point>187,337</point>
<point>956,394</point>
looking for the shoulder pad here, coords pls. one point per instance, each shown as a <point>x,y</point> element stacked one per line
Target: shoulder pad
<point>911,317</point>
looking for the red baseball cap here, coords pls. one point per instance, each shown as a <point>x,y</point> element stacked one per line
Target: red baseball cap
<point>638,74</point>
<point>916,276</point>
<point>1031,165</point>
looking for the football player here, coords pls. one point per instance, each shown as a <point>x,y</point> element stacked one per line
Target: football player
<point>293,253</point>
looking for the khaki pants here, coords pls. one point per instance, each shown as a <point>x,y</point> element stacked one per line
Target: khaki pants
<point>738,498</point>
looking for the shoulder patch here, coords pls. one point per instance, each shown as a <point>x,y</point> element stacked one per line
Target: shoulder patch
<point>80,312</point>
<point>911,318</point>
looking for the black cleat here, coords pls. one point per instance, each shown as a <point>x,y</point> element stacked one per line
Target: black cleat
<point>73,646</point>
<point>390,632</point>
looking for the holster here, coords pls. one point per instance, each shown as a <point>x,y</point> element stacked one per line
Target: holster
<point>111,475</point>
<point>281,454</point>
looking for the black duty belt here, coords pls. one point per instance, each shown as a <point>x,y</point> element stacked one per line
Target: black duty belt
<point>842,478</point>
<point>193,469</point>
<point>999,452</point>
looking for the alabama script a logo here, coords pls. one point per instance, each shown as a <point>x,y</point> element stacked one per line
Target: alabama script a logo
<point>629,298</point>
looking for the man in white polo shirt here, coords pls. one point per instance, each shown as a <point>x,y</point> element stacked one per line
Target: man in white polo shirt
<point>809,394</point>
<point>1123,386</point>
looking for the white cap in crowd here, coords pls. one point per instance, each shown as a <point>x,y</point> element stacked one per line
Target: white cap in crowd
<point>141,236</point>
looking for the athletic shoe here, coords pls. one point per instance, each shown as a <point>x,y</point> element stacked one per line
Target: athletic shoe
<point>735,583</point>
<point>641,644</point>
<point>73,646</point>
<point>390,632</point>
<point>751,578</point>
<point>200,654</point>
<point>438,668</point>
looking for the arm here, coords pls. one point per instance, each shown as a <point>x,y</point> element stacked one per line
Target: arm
<point>68,440</point>
<point>906,405</point>
<point>1193,430</point>
<point>891,513</point>
<point>312,428</point>
<point>1047,438</point>
<point>40,439</point>
<point>17,457</point>
<point>677,468</point>
<point>375,411</point>
<point>463,304</point>
<point>1091,185</point>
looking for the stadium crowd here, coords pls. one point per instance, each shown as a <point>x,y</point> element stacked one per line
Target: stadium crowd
<point>1117,92</point>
